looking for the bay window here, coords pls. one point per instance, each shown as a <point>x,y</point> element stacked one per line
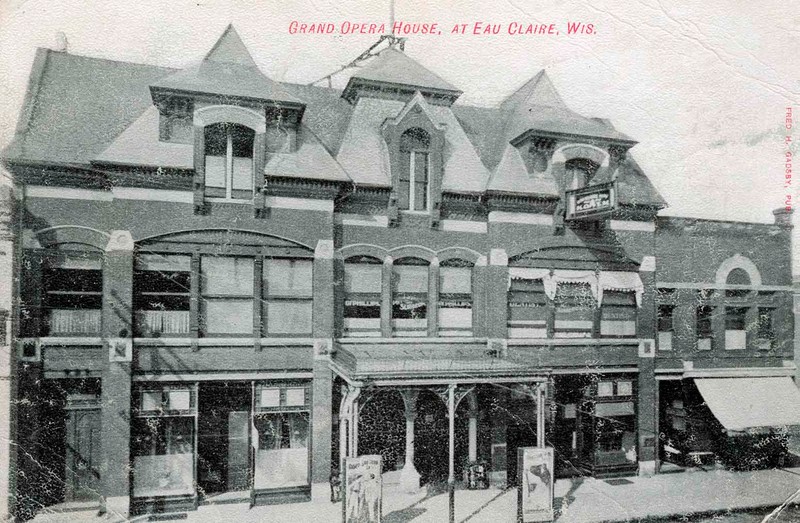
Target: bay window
<point>455,298</point>
<point>161,294</point>
<point>575,308</point>
<point>528,313</point>
<point>288,296</point>
<point>226,295</point>
<point>282,425</point>
<point>410,297</point>
<point>618,315</point>
<point>229,161</point>
<point>414,171</point>
<point>73,294</point>
<point>362,302</point>
<point>162,441</point>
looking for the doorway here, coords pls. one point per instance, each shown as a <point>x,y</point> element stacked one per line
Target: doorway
<point>223,439</point>
<point>82,448</point>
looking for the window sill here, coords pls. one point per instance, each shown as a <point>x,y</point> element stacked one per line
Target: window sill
<point>222,342</point>
<point>240,201</point>
<point>574,341</point>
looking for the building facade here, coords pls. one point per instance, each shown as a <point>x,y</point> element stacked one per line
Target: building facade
<point>225,284</point>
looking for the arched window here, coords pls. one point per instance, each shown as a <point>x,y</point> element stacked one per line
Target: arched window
<point>737,276</point>
<point>362,301</point>
<point>410,297</point>
<point>579,172</point>
<point>414,170</point>
<point>229,161</point>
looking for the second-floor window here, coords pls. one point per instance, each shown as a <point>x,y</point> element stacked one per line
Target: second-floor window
<point>455,298</point>
<point>618,315</point>
<point>575,307</point>
<point>73,295</point>
<point>229,161</point>
<point>665,327</point>
<point>413,178</point>
<point>161,294</point>
<point>735,331</point>
<point>226,285</point>
<point>288,292</point>
<point>528,313</point>
<point>703,327</point>
<point>410,297</point>
<point>362,300</point>
<point>766,332</point>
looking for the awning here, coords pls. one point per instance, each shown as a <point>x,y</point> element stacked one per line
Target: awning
<point>742,404</point>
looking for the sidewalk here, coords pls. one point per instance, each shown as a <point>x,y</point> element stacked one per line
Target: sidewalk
<point>576,501</point>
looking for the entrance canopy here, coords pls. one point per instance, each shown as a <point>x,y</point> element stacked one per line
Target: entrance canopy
<point>744,404</point>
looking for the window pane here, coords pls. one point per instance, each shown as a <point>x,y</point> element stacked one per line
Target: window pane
<point>361,277</point>
<point>215,171</point>
<point>216,140</point>
<point>227,276</point>
<point>420,181</point>
<point>288,277</point>
<point>282,450</point>
<point>289,317</point>
<point>78,321</point>
<point>455,321</point>
<point>242,141</point>
<point>411,278</point>
<point>163,463</point>
<point>228,316</point>
<point>575,308</point>
<point>402,194</point>
<point>455,280</point>
<point>243,174</point>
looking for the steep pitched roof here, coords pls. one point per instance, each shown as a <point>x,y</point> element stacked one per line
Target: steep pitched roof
<point>227,70</point>
<point>538,106</point>
<point>392,66</point>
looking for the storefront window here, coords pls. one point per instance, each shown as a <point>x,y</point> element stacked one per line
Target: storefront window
<point>527,309</point>
<point>161,293</point>
<point>410,297</point>
<point>575,308</point>
<point>227,295</point>
<point>73,285</point>
<point>455,299</point>
<point>288,291</point>
<point>282,423</point>
<point>362,301</point>
<point>162,442</point>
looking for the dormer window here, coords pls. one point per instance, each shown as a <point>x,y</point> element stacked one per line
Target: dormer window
<point>579,172</point>
<point>229,161</point>
<point>413,186</point>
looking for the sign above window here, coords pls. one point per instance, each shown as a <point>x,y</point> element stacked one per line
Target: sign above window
<point>592,202</point>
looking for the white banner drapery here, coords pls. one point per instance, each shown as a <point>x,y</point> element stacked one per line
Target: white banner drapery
<point>621,281</point>
<point>598,281</point>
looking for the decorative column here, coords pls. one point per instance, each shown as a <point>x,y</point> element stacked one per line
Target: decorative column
<point>386,298</point>
<point>473,435</point>
<point>322,385</point>
<point>409,477</point>
<point>433,298</point>
<point>497,295</point>
<point>451,445</point>
<point>116,373</point>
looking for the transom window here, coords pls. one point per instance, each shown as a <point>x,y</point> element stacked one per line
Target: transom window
<point>413,188</point>
<point>229,161</point>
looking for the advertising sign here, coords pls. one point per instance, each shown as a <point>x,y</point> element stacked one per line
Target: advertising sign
<point>535,473</point>
<point>363,490</point>
<point>591,202</point>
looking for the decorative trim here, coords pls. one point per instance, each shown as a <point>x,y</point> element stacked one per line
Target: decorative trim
<point>737,261</point>
<point>627,225</point>
<point>520,217</point>
<point>221,342</point>
<point>721,287</point>
<point>153,195</point>
<point>67,193</point>
<point>574,341</point>
<point>647,348</point>
<point>323,348</point>
<point>727,372</point>
<point>120,350</point>
<point>217,376</point>
<point>464,226</point>
<point>212,114</point>
<point>648,264</point>
<point>324,250</point>
<point>498,257</point>
<point>306,204</point>
<point>34,343</point>
<point>120,241</point>
<point>362,220</point>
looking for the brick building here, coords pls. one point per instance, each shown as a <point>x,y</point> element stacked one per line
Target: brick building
<point>227,283</point>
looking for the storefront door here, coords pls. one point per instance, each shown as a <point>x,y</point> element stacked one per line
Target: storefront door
<point>83,451</point>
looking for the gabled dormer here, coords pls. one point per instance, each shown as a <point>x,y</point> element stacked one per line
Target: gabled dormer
<point>234,116</point>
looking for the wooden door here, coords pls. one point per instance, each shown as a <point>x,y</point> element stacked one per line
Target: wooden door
<point>82,454</point>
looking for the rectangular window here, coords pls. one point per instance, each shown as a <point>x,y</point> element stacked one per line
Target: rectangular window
<point>413,181</point>
<point>704,329</point>
<point>455,301</point>
<point>410,298</point>
<point>766,332</point>
<point>735,331</point>
<point>227,295</point>
<point>665,313</point>
<point>162,442</point>
<point>618,315</point>
<point>362,301</point>
<point>575,308</point>
<point>282,423</point>
<point>527,309</point>
<point>289,298</point>
<point>229,161</point>
<point>73,294</point>
<point>161,292</point>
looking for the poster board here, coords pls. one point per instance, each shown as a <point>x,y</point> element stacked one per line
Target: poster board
<point>535,484</point>
<point>363,490</point>
<point>591,203</point>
